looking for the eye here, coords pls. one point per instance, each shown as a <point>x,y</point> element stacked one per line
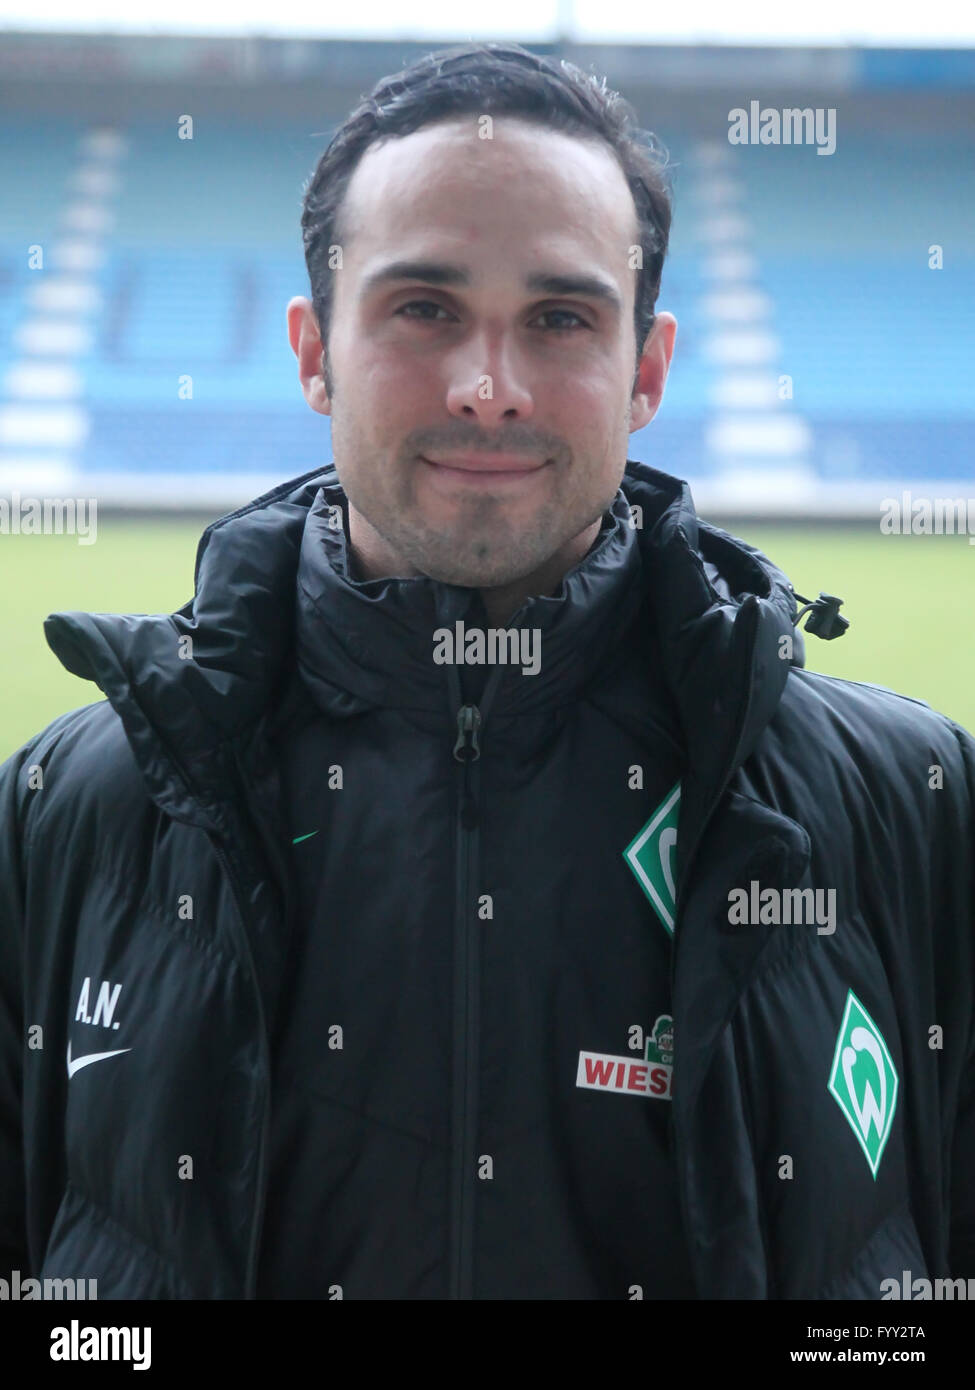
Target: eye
<point>572,315</point>
<point>420,304</point>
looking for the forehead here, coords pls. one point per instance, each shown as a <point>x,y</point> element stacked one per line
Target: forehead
<point>526,192</point>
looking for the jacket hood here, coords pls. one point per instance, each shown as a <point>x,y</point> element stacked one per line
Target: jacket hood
<point>195,687</point>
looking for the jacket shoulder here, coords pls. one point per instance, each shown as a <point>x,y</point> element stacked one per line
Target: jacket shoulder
<point>866,704</point>
<point>80,761</point>
<point>868,734</point>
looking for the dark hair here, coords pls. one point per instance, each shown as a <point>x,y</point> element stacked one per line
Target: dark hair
<point>492,78</point>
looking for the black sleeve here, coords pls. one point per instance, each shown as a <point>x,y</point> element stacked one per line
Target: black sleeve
<point>13,1232</point>
<point>961,1254</point>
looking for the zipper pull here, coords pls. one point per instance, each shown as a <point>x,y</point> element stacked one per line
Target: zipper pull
<point>468,723</point>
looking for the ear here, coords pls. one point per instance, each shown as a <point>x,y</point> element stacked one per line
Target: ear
<point>652,371</point>
<point>305,338</point>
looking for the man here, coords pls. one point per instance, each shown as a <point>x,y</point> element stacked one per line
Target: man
<point>468,894</point>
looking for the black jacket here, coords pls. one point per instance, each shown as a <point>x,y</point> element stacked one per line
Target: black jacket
<point>822,1119</point>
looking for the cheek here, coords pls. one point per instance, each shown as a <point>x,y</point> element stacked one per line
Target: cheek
<point>400,386</point>
<point>592,391</point>
<point>588,416</point>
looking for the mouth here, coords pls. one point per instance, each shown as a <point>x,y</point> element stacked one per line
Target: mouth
<point>474,471</point>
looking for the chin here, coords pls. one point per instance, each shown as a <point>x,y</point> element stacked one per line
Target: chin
<point>475,576</point>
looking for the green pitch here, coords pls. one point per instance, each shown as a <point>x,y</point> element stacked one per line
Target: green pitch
<point>909,600</point>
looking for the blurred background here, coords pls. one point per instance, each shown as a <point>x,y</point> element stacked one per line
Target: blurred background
<point>825,301</point>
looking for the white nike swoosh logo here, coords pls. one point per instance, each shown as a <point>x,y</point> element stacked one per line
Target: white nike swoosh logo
<point>89,1057</point>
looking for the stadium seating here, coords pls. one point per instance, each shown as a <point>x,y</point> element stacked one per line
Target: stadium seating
<point>199,250</point>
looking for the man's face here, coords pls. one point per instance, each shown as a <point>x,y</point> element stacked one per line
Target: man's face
<point>526,377</point>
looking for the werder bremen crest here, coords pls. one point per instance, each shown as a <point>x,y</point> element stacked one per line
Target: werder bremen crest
<point>660,1043</point>
<point>651,856</point>
<point>863,1080</point>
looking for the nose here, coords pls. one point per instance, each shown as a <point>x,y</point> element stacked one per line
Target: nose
<point>488,383</point>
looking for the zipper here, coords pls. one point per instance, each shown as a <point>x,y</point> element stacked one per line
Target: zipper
<point>257,1221</point>
<point>466,998</point>
<point>467,731</point>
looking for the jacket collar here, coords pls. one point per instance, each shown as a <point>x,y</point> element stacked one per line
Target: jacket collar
<point>360,644</point>
<point>194,689</point>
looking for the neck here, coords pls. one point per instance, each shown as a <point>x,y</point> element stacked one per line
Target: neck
<point>503,602</point>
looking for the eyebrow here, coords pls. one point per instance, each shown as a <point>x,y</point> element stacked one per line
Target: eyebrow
<point>437,273</point>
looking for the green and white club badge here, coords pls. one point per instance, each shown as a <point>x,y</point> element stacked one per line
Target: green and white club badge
<point>863,1080</point>
<point>651,855</point>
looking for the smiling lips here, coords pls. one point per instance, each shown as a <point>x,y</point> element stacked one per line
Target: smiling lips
<point>492,468</point>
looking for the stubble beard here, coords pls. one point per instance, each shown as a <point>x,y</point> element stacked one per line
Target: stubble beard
<point>479,549</point>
